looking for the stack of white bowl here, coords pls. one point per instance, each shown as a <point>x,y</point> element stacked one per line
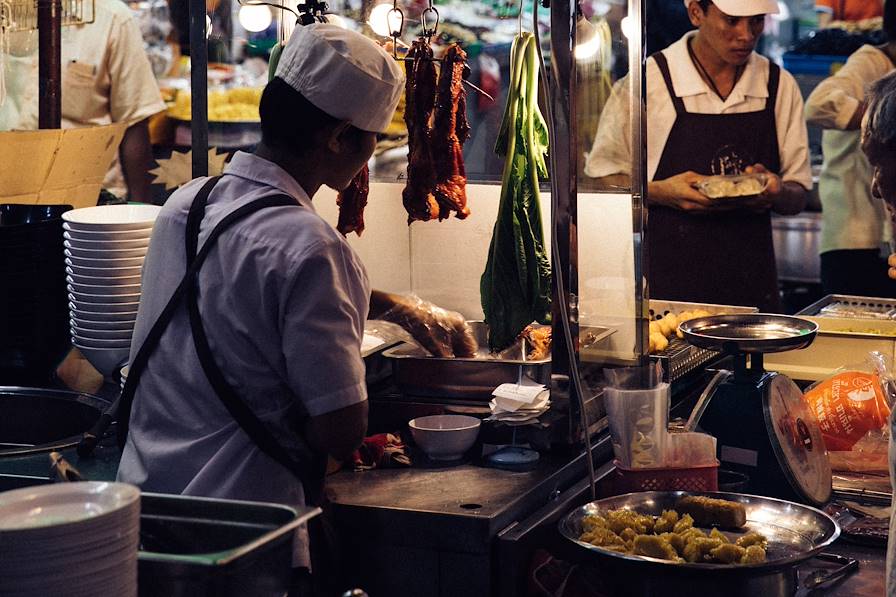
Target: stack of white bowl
<point>104,251</point>
<point>71,539</point>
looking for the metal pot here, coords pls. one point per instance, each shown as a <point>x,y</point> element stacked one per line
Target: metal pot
<point>796,240</point>
<point>795,533</point>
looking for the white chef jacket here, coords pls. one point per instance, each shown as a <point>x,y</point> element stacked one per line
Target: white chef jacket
<point>612,150</point>
<point>106,78</point>
<point>283,299</point>
<point>851,217</point>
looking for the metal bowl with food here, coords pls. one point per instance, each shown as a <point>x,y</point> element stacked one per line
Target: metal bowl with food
<point>733,187</point>
<point>794,533</point>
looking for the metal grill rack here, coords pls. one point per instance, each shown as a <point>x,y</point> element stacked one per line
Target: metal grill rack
<point>22,14</point>
<point>843,306</point>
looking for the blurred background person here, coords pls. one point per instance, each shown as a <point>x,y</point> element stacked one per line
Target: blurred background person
<point>854,226</point>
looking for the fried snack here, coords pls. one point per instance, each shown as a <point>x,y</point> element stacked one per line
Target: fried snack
<point>654,546</point>
<point>676,541</point>
<point>717,534</point>
<point>754,555</point>
<point>666,522</point>
<point>753,538</point>
<point>713,512</point>
<point>618,520</point>
<point>728,553</point>
<point>593,521</point>
<point>602,537</point>
<point>684,523</point>
<point>699,549</point>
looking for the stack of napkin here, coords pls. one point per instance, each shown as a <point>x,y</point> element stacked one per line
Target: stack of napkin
<point>519,404</point>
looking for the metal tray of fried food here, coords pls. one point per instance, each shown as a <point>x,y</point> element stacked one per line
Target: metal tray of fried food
<point>680,358</point>
<point>844,306</point>
<point>794,532</point>
<point>418,374</point>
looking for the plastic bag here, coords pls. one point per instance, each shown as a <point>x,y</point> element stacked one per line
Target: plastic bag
<point>853,410</point>
<point>637,404</point>
<point>440,332</point>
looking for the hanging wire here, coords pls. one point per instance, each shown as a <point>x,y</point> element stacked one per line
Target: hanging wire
<point>395,33</point>
<point>428,32</point>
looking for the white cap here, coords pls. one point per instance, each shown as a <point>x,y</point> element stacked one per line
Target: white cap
<point>343,73</point>
<point>744,8</point>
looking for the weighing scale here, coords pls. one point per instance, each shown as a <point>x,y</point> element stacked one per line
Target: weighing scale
<point>763,426</point>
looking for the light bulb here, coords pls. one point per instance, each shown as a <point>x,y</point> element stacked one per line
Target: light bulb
<point>587,40</point>
<point>627,26</point>
<point>383,21</point>
<point>255,17</point>
<point>337,20</point>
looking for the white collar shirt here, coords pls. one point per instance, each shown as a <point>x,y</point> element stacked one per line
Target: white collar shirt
<point>283,300</point>
<point>612,150</point>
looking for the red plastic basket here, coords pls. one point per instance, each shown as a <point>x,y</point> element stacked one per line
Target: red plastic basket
<point>698,478</point>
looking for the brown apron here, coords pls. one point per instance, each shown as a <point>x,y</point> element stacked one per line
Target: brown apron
<point>725,258</point>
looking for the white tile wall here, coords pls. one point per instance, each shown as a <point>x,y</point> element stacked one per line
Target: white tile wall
<point>443,261</point>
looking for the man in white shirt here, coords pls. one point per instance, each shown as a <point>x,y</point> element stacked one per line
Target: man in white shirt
<point>106,78</point>
<point>714,106</point>
<point>854,225</point>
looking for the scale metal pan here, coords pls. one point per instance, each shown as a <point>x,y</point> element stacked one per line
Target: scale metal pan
<point>749,332</point>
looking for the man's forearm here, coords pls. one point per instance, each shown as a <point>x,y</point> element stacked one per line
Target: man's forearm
<point>791,200</point>
<point>135,155</point>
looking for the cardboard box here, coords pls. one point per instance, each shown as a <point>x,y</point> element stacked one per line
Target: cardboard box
<point>57,166</point>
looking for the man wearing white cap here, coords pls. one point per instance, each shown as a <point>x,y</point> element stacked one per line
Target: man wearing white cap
<point>714,106</point>
<point>243,393</point>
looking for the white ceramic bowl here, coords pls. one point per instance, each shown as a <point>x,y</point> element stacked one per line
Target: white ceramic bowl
<point>105,245</point>
<point>445,437</point>
<point>112,218</point>
<point>124,324</point>
<point>107,264</point>
<point>105,254</point>
<point>102,310</point>
<point>98,281</point>
<point>103,273</point>
<point>142,233</point>
<point>90,289</point>
<point>102,299</point>
<point>91,334</point>
<point>106,360</point>
<point>124,343</point>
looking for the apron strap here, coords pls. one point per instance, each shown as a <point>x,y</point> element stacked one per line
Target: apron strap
<point>138,365</point>
<point>310,467</point>
<point>663,65</point>
<point>774,77</point>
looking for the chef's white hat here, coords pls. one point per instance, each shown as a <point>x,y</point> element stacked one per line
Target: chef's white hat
<point>744,8</point>
<point>343,73</point>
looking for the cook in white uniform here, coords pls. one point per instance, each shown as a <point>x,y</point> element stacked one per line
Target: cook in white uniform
<point>282,297</point>
<point>879,143</point>
<point>106,78</point>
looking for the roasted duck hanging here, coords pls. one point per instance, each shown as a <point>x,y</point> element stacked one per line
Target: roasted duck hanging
<point>352,202</point>
<point>436,119</point>
<point>516,285</point>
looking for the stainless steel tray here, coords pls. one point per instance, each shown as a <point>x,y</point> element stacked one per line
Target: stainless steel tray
<point>750,332</point>
<point>193,546</point>
<point>415,373</point>
<point>680,358</point>
<point>842,306</point>
<point>795,533</point>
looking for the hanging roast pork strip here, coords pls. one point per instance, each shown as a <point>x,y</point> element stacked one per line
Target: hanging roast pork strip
<point>351,203</point>
<point>449,134</point>
<point>420,92</point>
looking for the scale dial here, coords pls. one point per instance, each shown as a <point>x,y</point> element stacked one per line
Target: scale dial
<point>796,439</point>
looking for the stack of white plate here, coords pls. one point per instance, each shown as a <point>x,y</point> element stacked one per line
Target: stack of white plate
<point>124,375</point>
<point>104,251</point>
<point>72,539</point>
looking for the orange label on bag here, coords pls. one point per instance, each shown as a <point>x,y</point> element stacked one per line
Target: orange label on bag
<point>848,406</point>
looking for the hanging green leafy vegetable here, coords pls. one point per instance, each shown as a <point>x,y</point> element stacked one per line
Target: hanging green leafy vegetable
<point>516,285</point>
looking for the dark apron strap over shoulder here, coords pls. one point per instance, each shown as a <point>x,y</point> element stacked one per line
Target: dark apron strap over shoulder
<point>774,78</point>
<point>663,65</point>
